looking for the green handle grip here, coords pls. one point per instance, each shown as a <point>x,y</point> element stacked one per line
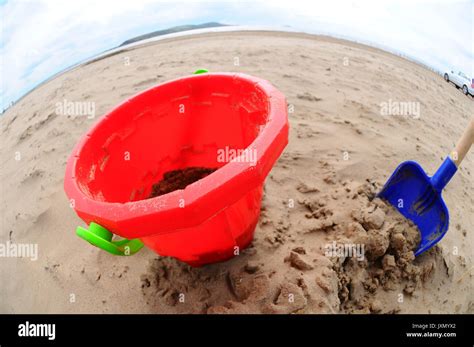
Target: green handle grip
<point>100,237</point>
<point>200,71</point>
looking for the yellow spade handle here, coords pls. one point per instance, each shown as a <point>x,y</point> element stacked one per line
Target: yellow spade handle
<point>463,145</point>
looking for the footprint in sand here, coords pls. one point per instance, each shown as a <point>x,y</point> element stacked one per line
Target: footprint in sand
<point>145,82</point>
<point>308,97</point>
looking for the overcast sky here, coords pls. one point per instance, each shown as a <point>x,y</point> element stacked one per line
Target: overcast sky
<point>38,38</point>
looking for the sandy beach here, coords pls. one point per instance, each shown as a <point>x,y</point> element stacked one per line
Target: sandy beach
<point>342,148</point>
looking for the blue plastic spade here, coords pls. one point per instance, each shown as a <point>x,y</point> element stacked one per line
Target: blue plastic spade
<point>418,197</point>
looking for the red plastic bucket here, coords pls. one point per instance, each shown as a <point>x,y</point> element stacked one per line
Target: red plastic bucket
<point>194,121</point>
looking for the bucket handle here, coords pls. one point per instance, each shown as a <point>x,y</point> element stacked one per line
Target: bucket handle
<point>201,71</point>
<point>100,237</point>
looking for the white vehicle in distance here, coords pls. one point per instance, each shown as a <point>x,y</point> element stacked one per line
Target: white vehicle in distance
<point>460,80</point>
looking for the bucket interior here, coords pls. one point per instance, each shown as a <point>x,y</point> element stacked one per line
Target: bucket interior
<point>181,124</point>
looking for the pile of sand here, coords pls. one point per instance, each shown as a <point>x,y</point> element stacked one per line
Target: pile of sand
<point>308,278</point>
<point>321,191</point>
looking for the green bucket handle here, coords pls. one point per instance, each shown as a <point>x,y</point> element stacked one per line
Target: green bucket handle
<point>200,71</point>
<point>100,237</point>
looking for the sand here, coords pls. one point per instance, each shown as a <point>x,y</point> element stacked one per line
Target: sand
<point>320,193</point>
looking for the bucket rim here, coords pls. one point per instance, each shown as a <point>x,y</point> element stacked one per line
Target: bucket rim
<point>123,218</point>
